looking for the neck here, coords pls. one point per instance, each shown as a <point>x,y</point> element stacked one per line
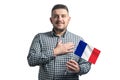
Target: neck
<point>59,32</point>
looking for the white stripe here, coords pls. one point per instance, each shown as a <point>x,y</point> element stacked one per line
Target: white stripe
<point>87,52</point>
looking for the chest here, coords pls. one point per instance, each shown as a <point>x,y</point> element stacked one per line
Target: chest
<point>50,43</point>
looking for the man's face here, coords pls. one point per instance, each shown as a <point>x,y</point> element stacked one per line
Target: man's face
<point>60,19</point>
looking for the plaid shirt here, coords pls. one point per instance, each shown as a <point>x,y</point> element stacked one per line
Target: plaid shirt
<point>54,68</point>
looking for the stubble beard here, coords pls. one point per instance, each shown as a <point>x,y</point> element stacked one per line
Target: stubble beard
<point>59,30</point>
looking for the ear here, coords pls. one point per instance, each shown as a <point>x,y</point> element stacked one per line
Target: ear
<point>50,19</point>
<point>69,18</point>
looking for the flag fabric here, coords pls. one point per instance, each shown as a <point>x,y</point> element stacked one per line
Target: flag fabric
<point>87,52</point>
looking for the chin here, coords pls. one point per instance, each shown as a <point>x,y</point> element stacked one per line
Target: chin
<point>60,29</point>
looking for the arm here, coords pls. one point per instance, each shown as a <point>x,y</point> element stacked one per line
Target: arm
<point>36,56</point>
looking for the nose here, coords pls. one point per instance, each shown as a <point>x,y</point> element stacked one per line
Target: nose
<point>60,18</point>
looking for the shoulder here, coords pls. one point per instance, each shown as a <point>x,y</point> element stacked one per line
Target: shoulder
<point>42,35</point>
<point>73,35</point>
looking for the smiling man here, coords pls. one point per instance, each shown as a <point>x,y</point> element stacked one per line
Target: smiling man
<point>53,51</point>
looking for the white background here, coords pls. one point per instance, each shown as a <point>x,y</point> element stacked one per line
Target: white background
<point>97,21</point>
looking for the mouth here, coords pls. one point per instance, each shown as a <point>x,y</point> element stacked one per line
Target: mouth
<point>59,22</point>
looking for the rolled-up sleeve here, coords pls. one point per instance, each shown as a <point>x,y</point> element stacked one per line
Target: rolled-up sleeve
<point>36,56</point>
<point>84,66</point>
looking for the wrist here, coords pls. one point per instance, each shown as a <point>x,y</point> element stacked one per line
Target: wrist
<point>55,52</point>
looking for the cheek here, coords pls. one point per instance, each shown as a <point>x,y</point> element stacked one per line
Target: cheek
<point>54,21</point>
<point>67,21</point>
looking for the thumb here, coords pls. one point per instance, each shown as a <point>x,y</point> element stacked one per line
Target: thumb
<point>60,42</point>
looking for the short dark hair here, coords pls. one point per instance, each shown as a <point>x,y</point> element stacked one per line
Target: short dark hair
<point>60,6</point>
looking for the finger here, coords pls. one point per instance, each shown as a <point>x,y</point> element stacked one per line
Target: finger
<point>71,47</point>
<point>71,68</point>
<point>73,61</point>
<point>60,42</point>
<point>70,50</point>
<point>70,43</point>
<point>71,64</point>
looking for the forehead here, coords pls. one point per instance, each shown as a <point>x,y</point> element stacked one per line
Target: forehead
<point>60,11</point>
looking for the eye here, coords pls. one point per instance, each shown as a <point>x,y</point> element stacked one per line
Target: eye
<point>63,16</point>
<point>55,16</point>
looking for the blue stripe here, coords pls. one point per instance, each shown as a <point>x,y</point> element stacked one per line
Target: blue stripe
<point>80,48</point>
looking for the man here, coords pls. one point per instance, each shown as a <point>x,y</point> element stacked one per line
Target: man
<point>54,51</point>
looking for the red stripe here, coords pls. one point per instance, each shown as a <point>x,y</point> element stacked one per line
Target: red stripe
<point>94,55</point>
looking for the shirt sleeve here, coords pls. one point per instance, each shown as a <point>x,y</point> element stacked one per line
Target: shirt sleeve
<point>36,56</point>
<point>85,66</point>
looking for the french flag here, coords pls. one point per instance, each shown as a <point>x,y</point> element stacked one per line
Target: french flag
<point>87,52</point>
